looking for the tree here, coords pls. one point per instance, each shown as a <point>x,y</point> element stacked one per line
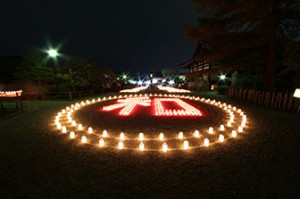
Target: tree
<point>33,69</point>
<point>242,33</point>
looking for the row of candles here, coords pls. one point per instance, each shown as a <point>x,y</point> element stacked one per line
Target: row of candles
<point>11,93</point>
<point>230,110</point>
<point>172,89</point>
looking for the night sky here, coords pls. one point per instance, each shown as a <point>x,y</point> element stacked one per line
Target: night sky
<point>135,35</point>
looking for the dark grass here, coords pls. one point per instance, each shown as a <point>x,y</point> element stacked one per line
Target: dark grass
<point>36,162</point>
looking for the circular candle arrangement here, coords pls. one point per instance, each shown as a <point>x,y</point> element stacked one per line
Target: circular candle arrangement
<point>236,121</point>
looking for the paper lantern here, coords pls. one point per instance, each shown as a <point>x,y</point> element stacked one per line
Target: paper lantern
<point>180,135</point>
<point>165,147</point>
<point>122,136</point>
<point>101,143</point>
<point>83,139</point>
<point>222,128</point>
<point>206,142</point>
<point>185,145</point>
<point>104,133</point>
<point>141,136</point>
<point>196,134</point>
<point>233,133</point>
<point>221,138</point>
<point>161,136</point>
<point>80,127</point>
<point>72,135</point>
<point>121,145</point>
<point>142,146</point>
<point>64,129</point>
<point>240,129</point>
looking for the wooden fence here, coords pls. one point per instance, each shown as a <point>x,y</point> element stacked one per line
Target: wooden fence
<point>276,100</point>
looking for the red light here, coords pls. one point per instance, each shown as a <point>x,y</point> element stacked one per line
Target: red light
<point>129,104</point>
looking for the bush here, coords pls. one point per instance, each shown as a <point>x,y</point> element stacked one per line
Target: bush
<point>222,90</point>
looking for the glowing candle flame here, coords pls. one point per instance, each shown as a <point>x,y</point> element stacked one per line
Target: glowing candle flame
<point>90,130</point>
<point>233,133</point>
<point>196,134</point>
<point>104,133</point>
<point>73,123</point>
<point>210,130</point>
<point>142,146</point>
<point>206,142</point>
<point>58,126</point>
<point>83,139</point>
<point>161,136</point>
<point>122,136</point>
<point>165,147</point>
<point>240,129</point>
<point>222,128</point>
<point>101,143</point>
<point>64,129</point>
<point>141,136</point>
<point>221,138</point>
<point>80,127</point>
<point>185,145</point>
<point>121,145</point>
<point>72,135</point>
<point>180,135</point>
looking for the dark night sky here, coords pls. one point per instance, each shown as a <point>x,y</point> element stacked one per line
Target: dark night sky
<point>136,35</point>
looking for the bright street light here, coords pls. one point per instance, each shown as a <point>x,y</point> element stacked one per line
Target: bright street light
<point>222,77</point>
<point>52,53</point>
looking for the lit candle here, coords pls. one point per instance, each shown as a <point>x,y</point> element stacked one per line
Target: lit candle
<point>206,142</point>
<point>185,145</point>
<point>229,124</point>
<point>180,135</point>
<point>80,127</point>
<point>161,136</point>
<point>101,143</point>
<point>121,145</point>
<point>210,130</point>
<point>222,128</point>
<point>240,129</point>
<point>104,133</point>
<point>221,138</point>
<point>83,139</point>
<point>72,135</point>
<point>233,133</point>
<point>165,147</point>
<point>64,129</point>
<point>73,123</point>
<point>141,136</point>
<point>122,136</point>
<point>142,146</point>
<point>58,126</point>
<point>90,130</point>
<point>196,134</point>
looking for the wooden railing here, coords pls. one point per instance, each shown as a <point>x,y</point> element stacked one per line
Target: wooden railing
<point>277,100</point>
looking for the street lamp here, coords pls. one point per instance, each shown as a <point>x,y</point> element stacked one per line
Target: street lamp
<point>52,53</point>
<point>222,77</point>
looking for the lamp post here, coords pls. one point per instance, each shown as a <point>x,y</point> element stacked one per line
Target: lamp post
<point>53,54</point>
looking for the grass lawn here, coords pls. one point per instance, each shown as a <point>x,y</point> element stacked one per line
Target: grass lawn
<point>37,162</point>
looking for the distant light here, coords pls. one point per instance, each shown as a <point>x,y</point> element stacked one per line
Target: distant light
<point>52,53</point>
<point>124,76</point>
<point>297,93</point>
<point>155,81</point>
<point>101,143</point>
<point>222,77</point>
<point>140,82</point>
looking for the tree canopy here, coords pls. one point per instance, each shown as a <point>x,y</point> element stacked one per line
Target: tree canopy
<point>242,33</point>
